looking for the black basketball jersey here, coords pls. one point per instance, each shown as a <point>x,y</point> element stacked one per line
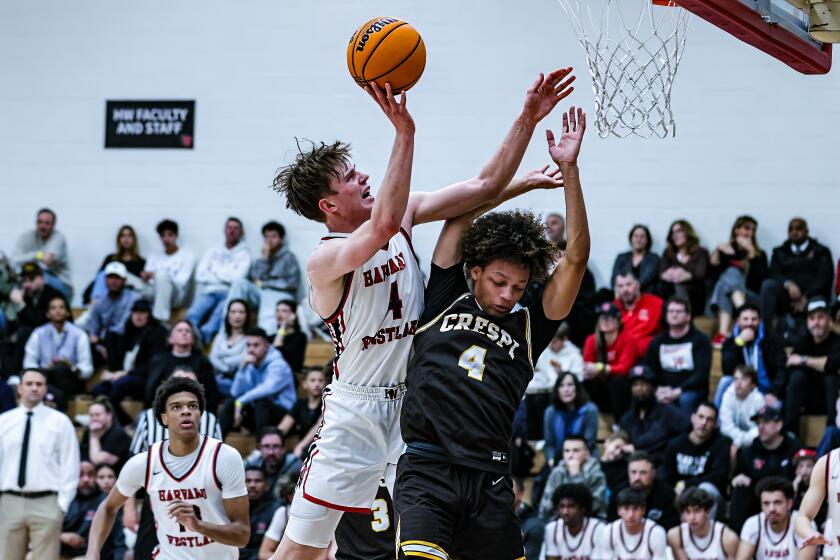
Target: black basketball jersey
<point>362,536</point>
<point>468,374</point>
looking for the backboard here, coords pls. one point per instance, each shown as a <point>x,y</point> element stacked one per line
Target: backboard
<point>776,27</point>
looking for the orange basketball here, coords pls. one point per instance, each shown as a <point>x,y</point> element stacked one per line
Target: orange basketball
<point>386,50</point>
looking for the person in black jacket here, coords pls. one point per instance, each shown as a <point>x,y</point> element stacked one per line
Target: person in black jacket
<point>800,269</point>
<point>533,528</point>
<point>752,344</point>
<point>770,454</point>
<point>261,507</point>
<point>659,497</point>
<point>129,356</point>
<point>76,524</point>
<point>34,301</point>
<point>681,358</point>
<point>650,424</point>
<point>700,458</point>
<point>814,364</point>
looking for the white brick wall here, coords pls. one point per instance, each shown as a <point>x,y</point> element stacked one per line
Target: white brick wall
<point>753,136</point>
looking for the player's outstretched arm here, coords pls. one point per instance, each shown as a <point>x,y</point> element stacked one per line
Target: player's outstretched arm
<point>103,523</point>
<point>457,199</point>
<point>333,260</point>
<point>448,248</point>
<point>562,288</point>
<point>810,506</point>
<point>236,532</point>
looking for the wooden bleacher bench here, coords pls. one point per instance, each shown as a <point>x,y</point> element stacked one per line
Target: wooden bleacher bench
<point>811,429</point>
<point>318,353</point>
<point>242,442</point>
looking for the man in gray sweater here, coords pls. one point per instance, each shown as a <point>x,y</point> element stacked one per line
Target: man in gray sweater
<point>577,467</point>
<point>48,247</point>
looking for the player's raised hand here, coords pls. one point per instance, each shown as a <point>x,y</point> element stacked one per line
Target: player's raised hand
<point>396,112</point>
<point>547,92</point>
<point>544,179</point>
<point>566,150</point>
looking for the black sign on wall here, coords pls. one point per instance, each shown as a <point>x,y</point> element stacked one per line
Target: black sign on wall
<point>149,124</point>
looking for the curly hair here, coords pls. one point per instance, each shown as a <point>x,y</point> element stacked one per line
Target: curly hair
<point>307,180</point>
<point>177,385</point>
<point>577,493</point>
<point>517,236</point>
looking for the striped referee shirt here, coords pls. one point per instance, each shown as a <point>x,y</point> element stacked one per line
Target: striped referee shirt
<point>150,431</point>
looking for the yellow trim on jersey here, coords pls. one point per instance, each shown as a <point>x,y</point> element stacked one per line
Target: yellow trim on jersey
<point>423,549</point>
<point>422,555</point>
<point>424,543</point>
<point>436,319</point>
<point>528,340</point>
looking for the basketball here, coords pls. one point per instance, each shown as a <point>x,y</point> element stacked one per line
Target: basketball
<point>386,50</point>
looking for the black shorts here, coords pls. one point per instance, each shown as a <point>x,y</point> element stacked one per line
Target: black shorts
<point>448,511</point>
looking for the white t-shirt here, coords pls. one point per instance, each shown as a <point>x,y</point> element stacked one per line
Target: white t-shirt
<point>278,524</point>
<point>545,374</point>
<point>179,266</point>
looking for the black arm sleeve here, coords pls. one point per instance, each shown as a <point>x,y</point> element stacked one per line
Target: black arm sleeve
<point>702,350</point>
<point>445,284</point>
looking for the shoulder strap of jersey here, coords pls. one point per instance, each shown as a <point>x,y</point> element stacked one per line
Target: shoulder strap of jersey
<point>683,527</point>
<point>650,528</point>
<point>827,468</point>
<point>722,529</point>
<point>215,456</point>
<point>595,525</point>
<point>760,530</point>
<point>149,457</point>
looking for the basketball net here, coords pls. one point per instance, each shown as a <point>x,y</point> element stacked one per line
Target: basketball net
<point>633,48</point>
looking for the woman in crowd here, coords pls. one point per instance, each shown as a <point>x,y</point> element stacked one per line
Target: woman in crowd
<point>608,355</point>
<point>228,351</point>
<point>742,267</point>
<point>289,339</point>
<point>571,413</point>
<point>128,253</point>
<point>682,269</point>
<point>640,259</point>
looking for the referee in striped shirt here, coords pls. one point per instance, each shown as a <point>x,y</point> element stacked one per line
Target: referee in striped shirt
<point>150,430</point>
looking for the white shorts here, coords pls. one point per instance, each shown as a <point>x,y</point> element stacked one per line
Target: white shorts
<point>359,437</point>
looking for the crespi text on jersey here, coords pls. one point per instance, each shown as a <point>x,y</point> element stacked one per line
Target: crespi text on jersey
<point>470,322</point>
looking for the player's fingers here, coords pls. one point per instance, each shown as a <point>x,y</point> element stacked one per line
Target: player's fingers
<point>572,118</point>
<point>560,87</point>
<point>565,122</point>
<point>537,83</point>
<point>565,93</point>
<point>403,98</point>
<point>544,169</point>
<point>581,119</point>
<point>555,76</point>
<point>377,94</point>
<point>549,136</point>
<point>389,95</point>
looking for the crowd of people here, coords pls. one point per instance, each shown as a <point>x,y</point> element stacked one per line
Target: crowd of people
<point>629,355</point>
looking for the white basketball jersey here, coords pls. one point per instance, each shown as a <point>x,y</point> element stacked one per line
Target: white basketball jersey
<point>832,490</point>
<point>198,487</point>
<point>774,546</point>
<point>631,547</point>
<point>374,325</point>
<point>709,547</point>
<point>559,542</point>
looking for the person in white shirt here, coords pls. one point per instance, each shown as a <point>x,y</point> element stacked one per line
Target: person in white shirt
<point>699,537</point>
<point>168,275</point>
<point>632,537</point>
<point>574,534</point>
<point>219,269</point>
<point>39,472</point>
<point>741,402</point>
<point>195,485</point>
<point>770,535</point>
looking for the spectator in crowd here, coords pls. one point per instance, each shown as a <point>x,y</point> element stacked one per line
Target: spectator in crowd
<point>8,308</point>
<point>800,269</point>
<point>573,533</point>
<point>641,313</point>
<point>7,396</point>
<point>571,414</point>
<point>559,357</point>
<point>263,389</point>
<point>658,496</point>
<point>769,454</point>
<point>633,520</point>
<point>289,339</point>
<point>532,527</point>
<point>577,467</point>
<point>699,458</point>
<point>814,363</point>
<point>752,344</point>
<point>149,430</point>
<point>741,267</point>
<point>183,352</point>
<point>76,524</point>
<point>219,268</point>
<point>649,423</point>
<point>47,247</point>
<point>608,355</point>
<point>61,349</point>
<point>695,506</point>
<point>128,253</point>
<point>104,441</point>
<point>741,402</point>
<point>681,358</point>
<point>640,259</point>
<point>110,312</point>
<point>770,533</point>
<point>39,472</point>
<point>682,270</point>
<point>307,410</point>
<point>831,436</point>
<point>555,225</point>
<point>228,350</point>
<point>168,275</point>
<point>617,448</point>
<point>129,355</point>
<point>261,507</point>
<point>274,533</point>
<point>803,466</point>
<point>32,304</point>
<point>271,456</point>
<point>272,278</point>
